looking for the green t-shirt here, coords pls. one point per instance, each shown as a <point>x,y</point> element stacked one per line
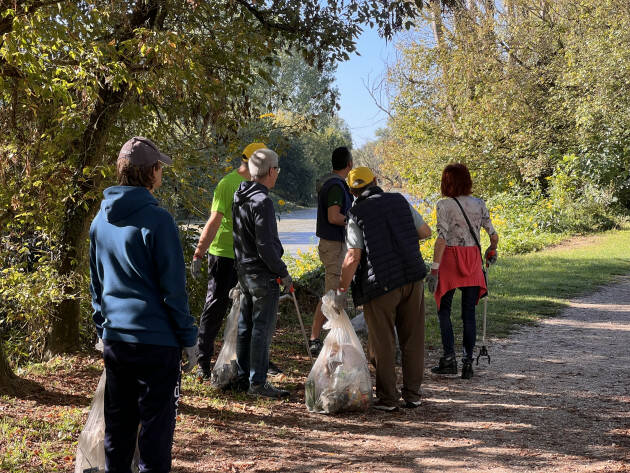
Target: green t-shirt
<point>335,196</point>
<point>223,243</point>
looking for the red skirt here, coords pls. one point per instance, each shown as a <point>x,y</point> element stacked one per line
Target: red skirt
<point>460,267</point>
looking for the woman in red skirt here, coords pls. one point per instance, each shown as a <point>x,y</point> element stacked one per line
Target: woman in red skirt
<point>457,263</point>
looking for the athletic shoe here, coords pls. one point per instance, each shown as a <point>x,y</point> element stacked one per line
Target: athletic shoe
<point>448,365</point>
<point>204,372</point>
<point>467,369</point>
<point>315,346</point>
<point>267,390</point>
<point>241,385</point>
<point>411,404</point>
<point>272,369</point>
<point>378,405</point>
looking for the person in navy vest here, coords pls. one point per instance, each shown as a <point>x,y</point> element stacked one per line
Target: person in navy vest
<point>333,202</point>
<point>138,288</point>
<point>386,269</point>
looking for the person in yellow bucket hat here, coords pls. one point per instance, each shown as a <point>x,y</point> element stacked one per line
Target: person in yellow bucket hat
<point>217,241</point>
<point>386,270</point>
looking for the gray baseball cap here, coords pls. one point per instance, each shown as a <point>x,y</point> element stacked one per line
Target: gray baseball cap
<point>141,151</point>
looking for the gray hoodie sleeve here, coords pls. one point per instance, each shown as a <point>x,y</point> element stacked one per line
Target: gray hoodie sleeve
<point>267,241</point>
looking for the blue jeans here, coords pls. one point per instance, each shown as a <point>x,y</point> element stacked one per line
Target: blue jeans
<point>256,325</point>
<point>469,301</point>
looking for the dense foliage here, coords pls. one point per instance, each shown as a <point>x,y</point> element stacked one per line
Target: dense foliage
<point>77,78</point>
<point>532,95</point>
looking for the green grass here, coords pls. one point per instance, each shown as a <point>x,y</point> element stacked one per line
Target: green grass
<point>44,444</point>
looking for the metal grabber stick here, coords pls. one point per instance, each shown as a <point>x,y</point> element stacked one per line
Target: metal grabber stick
<point>484,351</point>
<point>297,309</point>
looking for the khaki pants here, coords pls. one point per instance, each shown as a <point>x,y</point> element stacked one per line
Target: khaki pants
<point>402,308</point>
<point>331,254</point>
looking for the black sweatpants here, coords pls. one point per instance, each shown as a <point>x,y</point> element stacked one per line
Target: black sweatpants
<point>142,388</point>
<point>221,278</point>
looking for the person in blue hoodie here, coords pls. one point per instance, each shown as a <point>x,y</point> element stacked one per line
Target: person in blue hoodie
<point>138,288</point>
<point>258,264</point>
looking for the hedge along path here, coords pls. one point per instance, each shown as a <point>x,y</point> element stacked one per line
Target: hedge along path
<point>555,399</point>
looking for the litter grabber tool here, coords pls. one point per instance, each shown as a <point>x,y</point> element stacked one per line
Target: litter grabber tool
<point>483,352</point>
<point>297,309</point>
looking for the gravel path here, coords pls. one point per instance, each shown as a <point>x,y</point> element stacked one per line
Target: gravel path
<point>556,398</point>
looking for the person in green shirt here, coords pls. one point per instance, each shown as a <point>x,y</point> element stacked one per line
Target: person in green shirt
<point>217,240</point>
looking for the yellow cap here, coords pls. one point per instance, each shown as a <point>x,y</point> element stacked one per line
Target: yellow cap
<point>250,148</point>
<point>359,177</point>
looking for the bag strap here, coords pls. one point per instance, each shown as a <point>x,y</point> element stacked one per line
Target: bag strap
<point>470,228</point>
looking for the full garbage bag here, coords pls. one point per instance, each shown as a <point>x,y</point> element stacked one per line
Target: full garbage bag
<point>90,456</point>
<point>225,371</point>
<point>340,379</point>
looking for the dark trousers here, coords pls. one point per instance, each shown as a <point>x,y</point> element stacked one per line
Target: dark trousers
<point>256,324</point>
<point>222,278</point>
<point>469,301</point>
<point>141,388</point>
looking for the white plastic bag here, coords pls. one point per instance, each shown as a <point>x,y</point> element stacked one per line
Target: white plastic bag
<point>340,379</point>
<point>90,456</point>
<point>225,371</point>
<point>91,449</point>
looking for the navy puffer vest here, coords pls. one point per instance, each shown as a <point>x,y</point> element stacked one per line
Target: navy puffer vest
<point>325,229</point>
<point>392,256</point>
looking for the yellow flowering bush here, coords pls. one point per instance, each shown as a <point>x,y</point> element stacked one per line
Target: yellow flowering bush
<point>306,270</point>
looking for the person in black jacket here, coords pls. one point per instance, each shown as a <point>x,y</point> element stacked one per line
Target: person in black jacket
<point>258,263</point>
<point>386,269</point>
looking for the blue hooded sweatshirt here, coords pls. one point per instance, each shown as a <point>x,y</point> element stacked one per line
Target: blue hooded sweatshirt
<point>137,272</point>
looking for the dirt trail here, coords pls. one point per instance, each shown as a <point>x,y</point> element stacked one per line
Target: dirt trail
<point>556,398</point>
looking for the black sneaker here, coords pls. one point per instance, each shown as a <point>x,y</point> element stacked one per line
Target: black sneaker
<point>467,369</point>
<point>204,372</point>
<point>267,390</point>
<point>380,406</point>
<point>315,346</point>
<point>411,404</point>
<point>272,369</point>
<point>448,365</point>
<point>240,385</point>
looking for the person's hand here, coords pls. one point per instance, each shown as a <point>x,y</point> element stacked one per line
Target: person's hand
<point>491,256</point>
<point>190,355</point>
<point>432,281</point>
<point>339,300</point>
<point>287,284</point>
<point>195,267</point>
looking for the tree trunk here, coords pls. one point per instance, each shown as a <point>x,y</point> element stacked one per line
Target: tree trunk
<point>6,373</point>
<point>63,336</point>
<point>438,34</point>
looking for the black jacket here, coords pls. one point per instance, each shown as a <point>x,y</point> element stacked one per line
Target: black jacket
<point>392,256</point>
<point>256,244</point>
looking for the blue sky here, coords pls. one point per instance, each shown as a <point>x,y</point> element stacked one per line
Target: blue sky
<point>357,106</point>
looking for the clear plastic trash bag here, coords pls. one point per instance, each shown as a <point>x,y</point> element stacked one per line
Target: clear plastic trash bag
<point>340,379</point>
<point>225,371</point>
<point>90,456</point>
